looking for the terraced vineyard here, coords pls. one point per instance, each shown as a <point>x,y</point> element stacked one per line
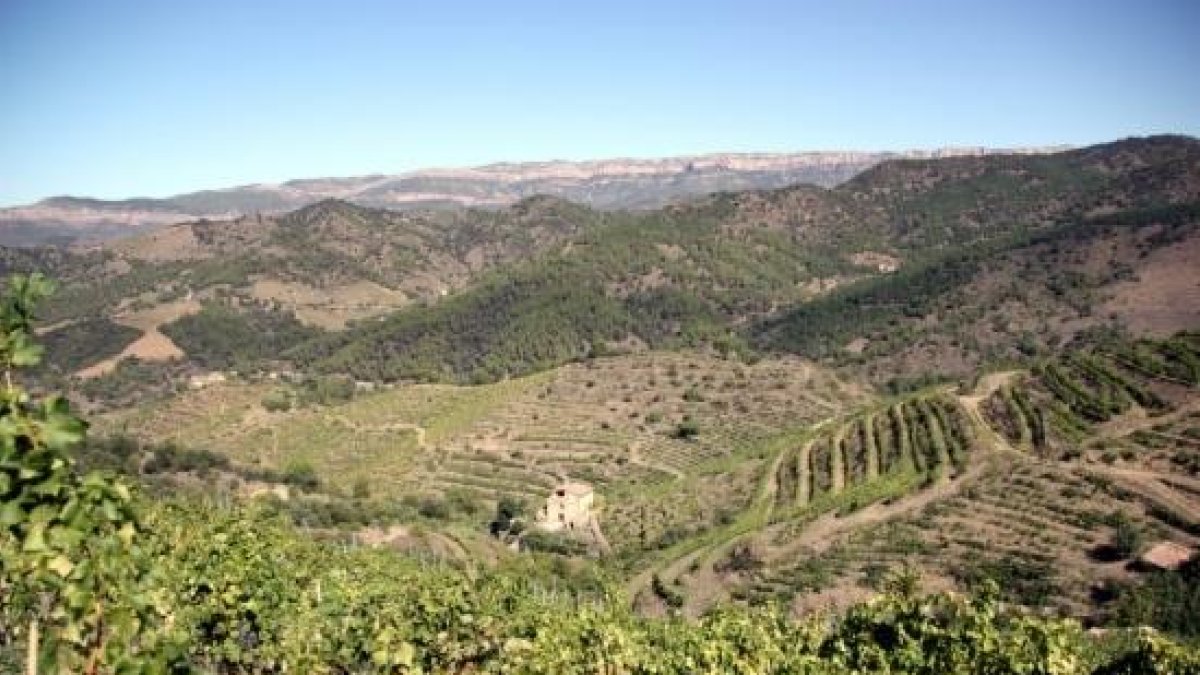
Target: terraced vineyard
<point>1065,401</point>
<point>928,437</point>
<point>695,457</point>
<point>379,439</point>
<point>615,423</point>
<point>1127,411</point>
<point>1093,441</point>
<point>1171,445</point>
<point>1041,528</point>
<point>612,422</point>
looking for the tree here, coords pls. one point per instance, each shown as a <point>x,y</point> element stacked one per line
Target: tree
<point>509,512</point>
<point>67,564</point>
<point>1128,538</point>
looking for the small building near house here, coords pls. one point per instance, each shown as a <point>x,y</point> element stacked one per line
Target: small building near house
<point>569,507</point>
<point>206,380</point>
<point>1165,555</point>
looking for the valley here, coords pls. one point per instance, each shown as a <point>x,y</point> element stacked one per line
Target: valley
<point>798,486</point>
<point>975,374</point>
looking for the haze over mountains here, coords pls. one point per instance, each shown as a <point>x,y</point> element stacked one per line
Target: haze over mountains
<point>601,184</point>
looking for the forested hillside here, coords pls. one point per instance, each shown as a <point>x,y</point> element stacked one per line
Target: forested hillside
<point>912,263</point>
<point>1008,300</point>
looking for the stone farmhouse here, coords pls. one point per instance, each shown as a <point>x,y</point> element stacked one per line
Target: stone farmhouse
<point>569,507</point>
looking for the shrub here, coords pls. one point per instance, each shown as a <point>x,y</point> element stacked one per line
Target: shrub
<point>361,489</point>
<point>301,475</point>
<point>328,390</point>
<point>277,400</point>
<point>686,429</point>
<point>743,558</point>
<point>1128,538</point>
<point>434,508</point>
<point>673,597</point>
<point>551,542</point>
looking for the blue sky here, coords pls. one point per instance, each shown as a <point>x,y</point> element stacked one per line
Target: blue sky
<point>118,99</point>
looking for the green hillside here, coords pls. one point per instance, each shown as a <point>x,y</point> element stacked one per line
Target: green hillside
<point>951,298</point>
<point>880,273</point>
<point>702,271</point>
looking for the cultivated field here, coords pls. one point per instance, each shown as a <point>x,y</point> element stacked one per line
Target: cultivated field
<point>778,480</point>
<point>620,423</point>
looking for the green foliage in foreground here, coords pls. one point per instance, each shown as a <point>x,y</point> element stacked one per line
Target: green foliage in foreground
<point>1169,600</point>
<point>245,593</point>
<point>66,566</point>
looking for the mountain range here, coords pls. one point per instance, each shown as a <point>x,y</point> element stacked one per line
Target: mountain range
<point>603,184</point>
<point>906,265</point>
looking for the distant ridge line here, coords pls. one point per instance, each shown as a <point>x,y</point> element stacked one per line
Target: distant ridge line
<point>620,183</point>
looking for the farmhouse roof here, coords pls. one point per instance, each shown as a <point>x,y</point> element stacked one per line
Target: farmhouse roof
<point>573,489</point>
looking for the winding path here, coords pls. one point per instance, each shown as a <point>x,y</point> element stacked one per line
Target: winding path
<point>988,384</point>
<point>819,533</point>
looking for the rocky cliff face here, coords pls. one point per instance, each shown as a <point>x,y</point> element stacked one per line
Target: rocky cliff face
<point>605,184</point>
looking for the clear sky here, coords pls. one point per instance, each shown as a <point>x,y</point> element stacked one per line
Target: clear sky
<point>118,99</point>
